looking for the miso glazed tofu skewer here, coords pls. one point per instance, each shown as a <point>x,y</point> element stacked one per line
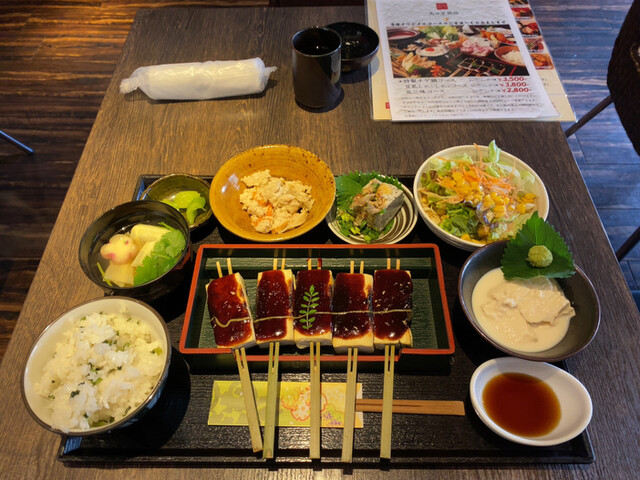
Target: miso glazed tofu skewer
<point>313,327</point>
<point>352,301</point>
<point>392,304</point>
<point>352,326</point>
<point>233,328</point>
<point>313,286</point>
<point>273,325</point>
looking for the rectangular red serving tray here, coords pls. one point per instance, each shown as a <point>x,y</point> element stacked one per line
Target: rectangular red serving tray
<point>431,324</point>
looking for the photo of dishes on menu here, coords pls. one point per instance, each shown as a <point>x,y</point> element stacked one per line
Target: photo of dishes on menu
<point>458,60</point>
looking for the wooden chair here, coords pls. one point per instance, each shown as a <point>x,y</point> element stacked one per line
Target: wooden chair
<point>623,79</point>
<point>623,82</point>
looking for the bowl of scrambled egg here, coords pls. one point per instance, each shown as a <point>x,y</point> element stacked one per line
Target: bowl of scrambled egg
<point>272,193</point>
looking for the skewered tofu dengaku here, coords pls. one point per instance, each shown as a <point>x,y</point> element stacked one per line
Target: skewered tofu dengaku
<point>314,289</point>
<point>352,326</point>
<point>392,306</point>
<point>274,307</point>
<point>229,310</point>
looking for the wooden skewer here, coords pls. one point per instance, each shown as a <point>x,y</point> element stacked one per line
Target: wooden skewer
<point>387,401</point>
<point>272,392</point>
<point>350,396</point>
<point>247,387</point>
<point>424,407</point>
<point>316,400</point>
<point>272,401</point>
<point>387,393</point>
<point>315,421</point>
<point>249,399</point>
<point>350,405</point>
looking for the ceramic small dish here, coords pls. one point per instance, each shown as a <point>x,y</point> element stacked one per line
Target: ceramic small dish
<point>167,187</point>
<point>40,407</point>
<point>542,198</point>
<point>577,288</point>
<point>403,224</point>
<point>575,403</point>
<point>359,44</point>
<point>285,161</point>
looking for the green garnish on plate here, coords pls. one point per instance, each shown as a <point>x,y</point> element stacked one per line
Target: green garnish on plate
<point>524,258</point>
<point>165,254</point>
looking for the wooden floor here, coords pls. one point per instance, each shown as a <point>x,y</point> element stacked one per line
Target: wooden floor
<point>57,58</point>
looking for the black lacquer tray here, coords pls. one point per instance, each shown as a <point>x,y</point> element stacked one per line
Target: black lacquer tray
<point>175,431</point>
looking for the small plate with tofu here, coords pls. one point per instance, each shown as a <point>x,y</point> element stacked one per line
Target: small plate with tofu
<point>371,209</point>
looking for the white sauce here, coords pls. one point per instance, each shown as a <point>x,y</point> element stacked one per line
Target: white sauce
<point>528,315</point>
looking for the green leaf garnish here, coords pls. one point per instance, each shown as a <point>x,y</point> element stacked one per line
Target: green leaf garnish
<point>163,257</point>
<point>308,309</point>
<point>534,232</point>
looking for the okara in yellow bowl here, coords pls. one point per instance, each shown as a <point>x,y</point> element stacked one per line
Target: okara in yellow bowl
<point>288,162</point>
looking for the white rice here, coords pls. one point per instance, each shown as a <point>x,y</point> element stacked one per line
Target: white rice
<point>105,366</point>
<point>514,56</point>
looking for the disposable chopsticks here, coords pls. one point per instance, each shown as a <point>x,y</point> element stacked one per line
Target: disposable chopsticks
<point>387,401</point>
<point>350,405</point>
<point>272,400</point>
<point>247,387</point>
<point>423,407</point>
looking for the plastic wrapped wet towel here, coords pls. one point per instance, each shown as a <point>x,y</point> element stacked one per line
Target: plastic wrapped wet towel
<point>200,81</point>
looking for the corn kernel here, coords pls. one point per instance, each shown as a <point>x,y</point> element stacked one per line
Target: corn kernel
<point>488,202</point>
<point>521,208</point>
<point>465,236</point>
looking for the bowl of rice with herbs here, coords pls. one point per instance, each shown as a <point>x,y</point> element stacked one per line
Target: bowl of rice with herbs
<point>97,367</point>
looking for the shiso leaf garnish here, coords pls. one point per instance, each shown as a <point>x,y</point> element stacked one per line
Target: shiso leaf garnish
<point>350,184</point>
<point>536,231</point>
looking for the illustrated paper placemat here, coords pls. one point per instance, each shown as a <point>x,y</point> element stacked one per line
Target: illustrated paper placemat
<point>227,404</point>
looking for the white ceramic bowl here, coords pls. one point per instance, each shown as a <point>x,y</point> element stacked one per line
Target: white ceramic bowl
<point>575,402</point>
<point>44,346</point>
<point>539,190</point>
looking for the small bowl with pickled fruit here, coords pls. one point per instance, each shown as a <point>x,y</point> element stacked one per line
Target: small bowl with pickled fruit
<point>527,298</point>
<point>531,403</point>
<point>186,193</point>
<point>472,195</point>
<point>138,249</point>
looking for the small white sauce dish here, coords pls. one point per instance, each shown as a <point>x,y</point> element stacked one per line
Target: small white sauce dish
<point>575,403</point>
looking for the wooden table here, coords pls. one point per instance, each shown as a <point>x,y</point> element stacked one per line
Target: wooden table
<point>133,136</point>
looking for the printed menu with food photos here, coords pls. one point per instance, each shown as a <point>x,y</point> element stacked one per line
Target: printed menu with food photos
<point>458,60</point>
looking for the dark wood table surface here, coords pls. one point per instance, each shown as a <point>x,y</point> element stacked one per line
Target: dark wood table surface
<point>133,136</point>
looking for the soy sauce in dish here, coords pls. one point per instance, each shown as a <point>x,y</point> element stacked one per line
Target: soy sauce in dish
<point>521,404</point>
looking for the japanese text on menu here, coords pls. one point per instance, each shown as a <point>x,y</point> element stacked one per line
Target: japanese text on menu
<point>457,60</point>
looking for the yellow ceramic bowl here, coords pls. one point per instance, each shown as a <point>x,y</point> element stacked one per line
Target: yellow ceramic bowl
<point>290,163</point>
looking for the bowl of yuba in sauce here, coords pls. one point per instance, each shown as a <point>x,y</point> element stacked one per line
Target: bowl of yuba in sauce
<point>532,403</point>
<point>539,318</point>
